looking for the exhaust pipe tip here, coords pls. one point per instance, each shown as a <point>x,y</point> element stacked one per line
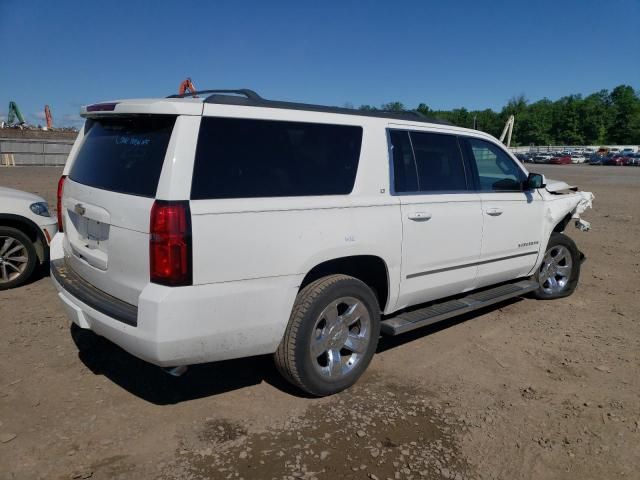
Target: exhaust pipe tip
<point>176,371</point>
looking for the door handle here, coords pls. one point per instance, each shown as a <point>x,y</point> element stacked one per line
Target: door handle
<point>419,216</point>
<point>494,212</point>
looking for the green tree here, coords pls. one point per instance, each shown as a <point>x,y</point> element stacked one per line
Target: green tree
<point>535,123</point>
<point>598,119</point>
<point>566,121</point>
<point>393,107</point>
<point>595,117</point>
<point>625,126</point>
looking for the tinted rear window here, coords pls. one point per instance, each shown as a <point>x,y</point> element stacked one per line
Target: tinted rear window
<point>241,158</point>
<point>124,154</point>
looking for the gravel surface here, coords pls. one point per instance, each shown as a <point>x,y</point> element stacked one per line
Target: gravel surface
<point>523,390</point>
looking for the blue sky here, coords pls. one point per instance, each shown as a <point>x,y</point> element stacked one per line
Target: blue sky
<point>446,54</point>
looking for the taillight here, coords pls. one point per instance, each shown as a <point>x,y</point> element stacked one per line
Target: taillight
<point>59,201</point>
<point>170,243</point>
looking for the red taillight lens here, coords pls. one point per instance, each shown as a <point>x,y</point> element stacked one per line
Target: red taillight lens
<point>170,243</point>
<point>59,201</point>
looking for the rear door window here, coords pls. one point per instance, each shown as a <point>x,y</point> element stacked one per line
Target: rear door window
<point>405,177</point>
<point>425,162</point>
<point>124,154</point>
<point>246,158</point>
<point>438,162</point>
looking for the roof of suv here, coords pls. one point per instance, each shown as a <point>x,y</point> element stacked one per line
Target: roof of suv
<point>250,98</point>
<point>243,97</point>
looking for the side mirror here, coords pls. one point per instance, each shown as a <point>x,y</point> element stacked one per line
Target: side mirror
<point>534,181</point>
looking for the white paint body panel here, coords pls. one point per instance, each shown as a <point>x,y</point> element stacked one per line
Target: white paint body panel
<point>448,234</point>
<point>512,225</point>
<point>251,255</point>
<point>17,202</point>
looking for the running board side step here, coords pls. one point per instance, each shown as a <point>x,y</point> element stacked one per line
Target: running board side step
<point>441,311</point>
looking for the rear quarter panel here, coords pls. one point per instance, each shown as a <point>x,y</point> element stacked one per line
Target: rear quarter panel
<point>242,239</point>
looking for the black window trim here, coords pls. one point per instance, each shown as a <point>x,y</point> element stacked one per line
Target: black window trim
<point>471,188</point>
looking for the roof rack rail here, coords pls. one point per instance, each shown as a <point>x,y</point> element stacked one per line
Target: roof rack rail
<point>249,98</point>
<point>249,94</point>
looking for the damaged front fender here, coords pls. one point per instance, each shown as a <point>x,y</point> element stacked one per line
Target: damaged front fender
<point>563,204</point>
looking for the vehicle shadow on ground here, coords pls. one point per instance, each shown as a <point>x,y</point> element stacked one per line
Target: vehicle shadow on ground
<point>152,384</point>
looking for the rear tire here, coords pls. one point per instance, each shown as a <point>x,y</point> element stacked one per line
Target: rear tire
<point>331,336</point>
<point>559,271</point>
<point>18,258</point>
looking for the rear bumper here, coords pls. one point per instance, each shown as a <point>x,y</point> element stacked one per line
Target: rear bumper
<point>188,325</point>
<point>83,291</point>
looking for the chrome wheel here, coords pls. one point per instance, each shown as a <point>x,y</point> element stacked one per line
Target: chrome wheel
<point>14,258</point>
<point>555,272</point>
<point>340,337</point>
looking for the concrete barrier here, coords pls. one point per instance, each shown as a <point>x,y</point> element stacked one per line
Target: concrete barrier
<point>36,151</point>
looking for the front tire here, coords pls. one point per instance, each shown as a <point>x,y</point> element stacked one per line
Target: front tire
<point>18,258</point>
<point>559,271</point>
<point>331,336</point>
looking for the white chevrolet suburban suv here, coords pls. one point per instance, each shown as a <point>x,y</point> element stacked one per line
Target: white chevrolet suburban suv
<point>226,225</point>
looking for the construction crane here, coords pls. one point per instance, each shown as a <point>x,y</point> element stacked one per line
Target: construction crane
<point>508,127</point>
<point>187,86</point>
<point>14,113</point>
<point>48,117</point>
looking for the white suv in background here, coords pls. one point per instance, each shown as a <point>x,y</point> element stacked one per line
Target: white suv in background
<point>26,228</point>
<point>202,229</point>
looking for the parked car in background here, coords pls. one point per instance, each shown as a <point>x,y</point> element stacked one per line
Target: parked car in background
<point>628,151</point>
<point>617,160</point>
<point>523,157</point>
<point>634,160</point>
<point>26,228</point>
<point>561,160</point>
<point>596,160</point>
<point>578,158</point>
<point>542,158</point>
<point>588,152</point>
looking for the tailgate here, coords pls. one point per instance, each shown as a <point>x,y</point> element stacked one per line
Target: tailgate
<point>107,202</point>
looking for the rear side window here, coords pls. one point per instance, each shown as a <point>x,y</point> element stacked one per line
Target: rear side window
<point>244,158</point>
<point>124,154</point>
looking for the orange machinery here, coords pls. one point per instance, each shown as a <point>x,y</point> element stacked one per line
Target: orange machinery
<point>187,87</point>
<point>48,116</point>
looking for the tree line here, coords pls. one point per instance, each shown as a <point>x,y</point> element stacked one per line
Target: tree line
<point>602,118</point>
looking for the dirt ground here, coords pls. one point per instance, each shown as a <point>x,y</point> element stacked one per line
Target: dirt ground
<point>524,390</point>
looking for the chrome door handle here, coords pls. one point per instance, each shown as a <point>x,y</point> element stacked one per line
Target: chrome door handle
<point>419,216</point>
<point>494,212</point>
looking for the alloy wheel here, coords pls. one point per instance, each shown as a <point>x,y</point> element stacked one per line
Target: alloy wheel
<point>340,337</point>
<point>555,272</point>
<point>14,258</point>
